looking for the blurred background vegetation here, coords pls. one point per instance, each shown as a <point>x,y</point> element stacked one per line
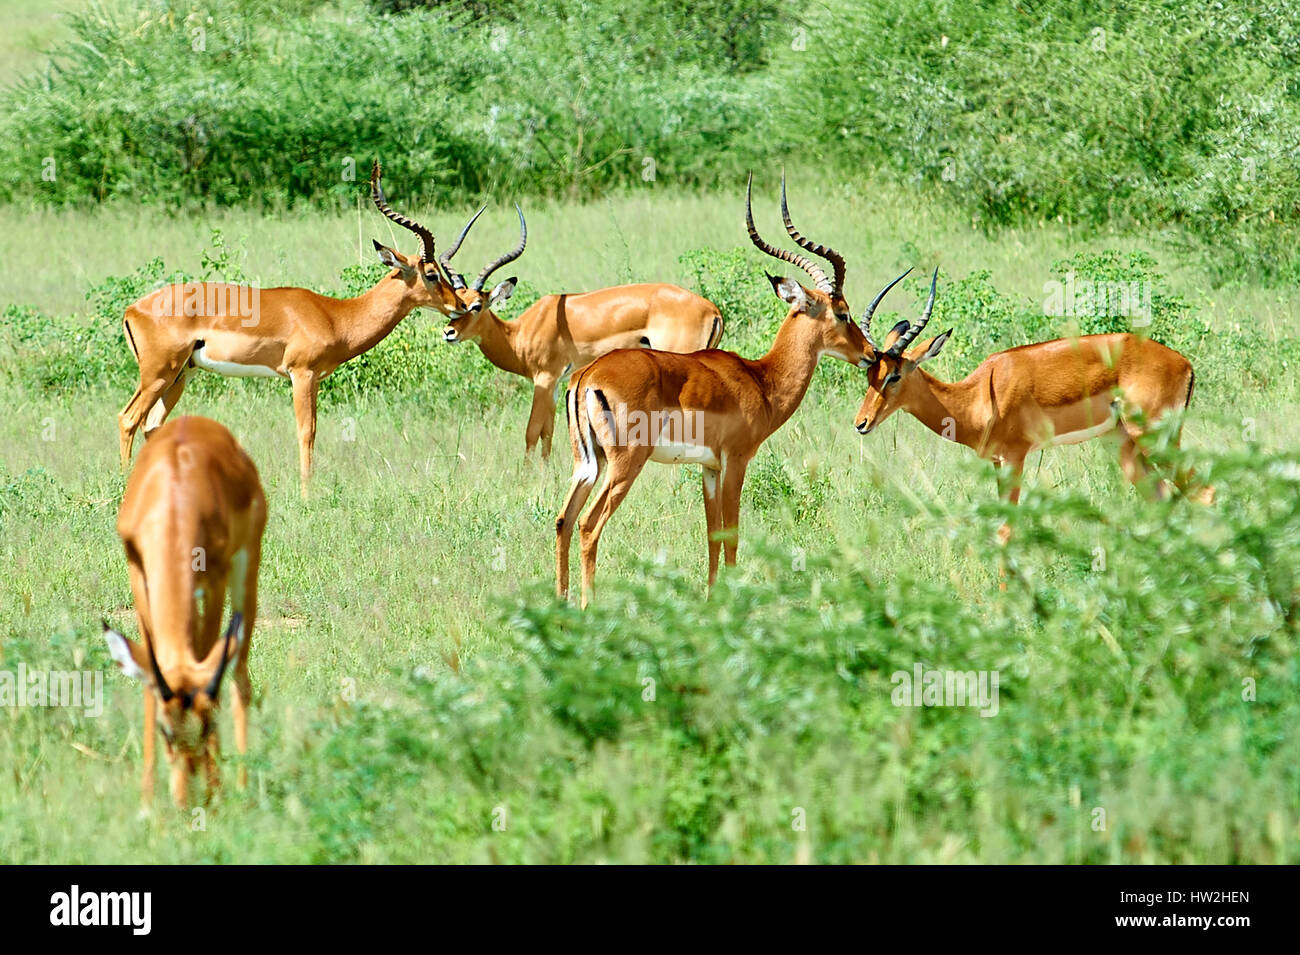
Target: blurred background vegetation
<point>1179,116</point>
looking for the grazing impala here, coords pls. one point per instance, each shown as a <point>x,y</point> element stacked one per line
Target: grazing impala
<point>711,408</point>
<point>558,333</point>
<point>191,523</point>
<point>1017,401</point>
<point>289,333</point>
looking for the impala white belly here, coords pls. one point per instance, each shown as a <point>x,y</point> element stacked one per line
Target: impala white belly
<point>231,369</point>
<point>1083,434</point>
<point>671,452</point>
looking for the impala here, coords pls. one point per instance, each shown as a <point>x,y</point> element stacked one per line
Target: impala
<point>289,333</point>
<point>1021,400</point>
<point>711,407</point>
<point>191,523</point>
<point>558,333</point>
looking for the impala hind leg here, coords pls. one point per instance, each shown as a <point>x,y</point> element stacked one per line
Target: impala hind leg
<point>164,405</point>
<point>305,389</point>
<point>623,471</point>
<point>579,491</point>
<point>152,385</point>
<point>126,430</point>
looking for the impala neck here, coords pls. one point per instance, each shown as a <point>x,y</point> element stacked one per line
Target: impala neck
<point>787,369</point>
<point>946,407</point>
<point>497,342</point>
<point>370,317</point>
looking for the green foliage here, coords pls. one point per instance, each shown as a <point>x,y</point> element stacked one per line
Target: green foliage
<point>736,282</point>
<point>1178,116</point>
<point>245,100</point>
<point>1182,114</point>
<point>1140,649</point>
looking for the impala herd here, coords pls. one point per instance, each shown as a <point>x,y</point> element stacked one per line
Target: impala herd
<point>647,383</point>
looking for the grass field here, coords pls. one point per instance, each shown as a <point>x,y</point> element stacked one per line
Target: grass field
<point>28,27</point>
<point>418,683</point>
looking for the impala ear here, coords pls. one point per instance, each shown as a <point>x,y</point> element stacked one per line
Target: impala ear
<point>502,292</point>
<point>130,657</point>
<point>931,348</point>
<point>389,257</point>
<point>789,291</point>
<point>893,334</point>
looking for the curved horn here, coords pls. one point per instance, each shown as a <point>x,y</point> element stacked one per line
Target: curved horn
<point>825,251</point>
<point>908,336</point>
<point>508,257</point>
<point>377,195</point>
<point>818,276</point>
<point>214,685</point>
<point>871,310</point>
<point>458,280</point>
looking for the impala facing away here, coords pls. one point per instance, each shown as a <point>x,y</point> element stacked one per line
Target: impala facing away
<point>561,332</point>
<point>289,333</point>
<point>191,523</point>
<point>711,408</point>
<point>1021,400</point>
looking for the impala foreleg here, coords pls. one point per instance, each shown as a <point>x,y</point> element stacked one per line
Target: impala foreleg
<point>1009,474</point>
<point>733,480</point>
<point>541,419</point>
<point>181,768</point>
<point>211,753</point>
<point>243,600</point>
<point>713,518</point>
<point>305,388</point>
<point>149,744</point>
<point>623,472</point>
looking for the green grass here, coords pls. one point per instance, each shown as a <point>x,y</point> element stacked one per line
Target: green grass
<point>419,576</point>
<point>28,27</point>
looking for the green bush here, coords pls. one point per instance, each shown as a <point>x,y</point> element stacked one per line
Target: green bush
<point>1151,113</point>
<point>710,724</point>
<point>1181,117</point>
<point>245,100</point>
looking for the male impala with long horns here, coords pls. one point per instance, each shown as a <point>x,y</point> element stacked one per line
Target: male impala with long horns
<point>1017,401</point>
<point>289,333</point>
<point>559,333</point>
<point>191,523</point>
<point>711,407</point>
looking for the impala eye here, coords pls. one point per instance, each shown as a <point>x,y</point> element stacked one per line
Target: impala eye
<point>891,379</point>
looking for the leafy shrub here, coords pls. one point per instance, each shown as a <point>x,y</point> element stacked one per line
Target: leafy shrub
<point>658,726</point>
<point>734,280</point>
<point>1179,114</point>
<point>245,100</point>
